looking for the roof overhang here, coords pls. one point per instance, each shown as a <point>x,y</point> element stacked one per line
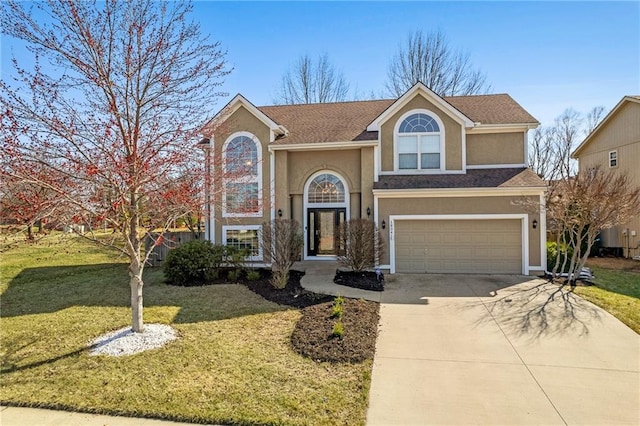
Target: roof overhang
<point>232,106</point>
<point>502,128</point>
<point>322,146</point>
<point>603,123</point>
<point>430,95</point>
<point>459,192</point>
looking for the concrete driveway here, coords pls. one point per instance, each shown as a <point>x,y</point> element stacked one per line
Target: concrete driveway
<point>500,350</point>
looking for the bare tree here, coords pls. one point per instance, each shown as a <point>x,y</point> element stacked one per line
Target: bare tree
<point>430,59</point>
<point>593,119</point>
<point>580,207</point>
<point>282,243</point>
<point>312,81</point>
<point>114,108</point>
<point>360,244</point>
<point>551,147</point>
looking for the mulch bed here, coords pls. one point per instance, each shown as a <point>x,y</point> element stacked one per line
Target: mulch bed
<point>292,295</point>
<point>312,336</point>
<point>365,280</point>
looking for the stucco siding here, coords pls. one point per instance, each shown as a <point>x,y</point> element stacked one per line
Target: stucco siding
<point>464,206</point>
<point>495,148</point>
<point>240,121</point>
<point>303,164</point>
<point>453,135</point>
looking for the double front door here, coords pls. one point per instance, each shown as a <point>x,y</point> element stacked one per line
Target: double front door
<point>322,231</point>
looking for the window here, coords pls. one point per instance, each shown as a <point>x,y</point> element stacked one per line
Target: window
<point>613,159</point>
<point>242,173</point>
<point>326,188</point>
<point>418,143</point>
<point>244,237</point>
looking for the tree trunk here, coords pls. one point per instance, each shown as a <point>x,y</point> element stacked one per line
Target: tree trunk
<point>136,284</point>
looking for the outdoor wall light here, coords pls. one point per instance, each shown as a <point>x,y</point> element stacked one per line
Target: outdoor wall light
<point>280,213</point>
<point>535,223</point>
<point>368,211</point>
<point>384,224</point>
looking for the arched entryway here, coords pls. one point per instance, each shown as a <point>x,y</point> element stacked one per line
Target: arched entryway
<point>326,206</point>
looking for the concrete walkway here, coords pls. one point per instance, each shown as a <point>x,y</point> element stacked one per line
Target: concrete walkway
<point>319,276</point>
<point>500,350</point>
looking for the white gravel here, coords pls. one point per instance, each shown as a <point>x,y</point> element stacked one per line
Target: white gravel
<point>126,342</point>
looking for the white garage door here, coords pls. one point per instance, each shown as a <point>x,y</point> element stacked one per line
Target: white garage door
<point>459,246</point>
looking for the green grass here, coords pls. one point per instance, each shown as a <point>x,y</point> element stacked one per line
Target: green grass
<point>617,292</point>
<point>233,362</point>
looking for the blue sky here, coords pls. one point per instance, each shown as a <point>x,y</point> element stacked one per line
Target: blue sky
<point>547,55</point>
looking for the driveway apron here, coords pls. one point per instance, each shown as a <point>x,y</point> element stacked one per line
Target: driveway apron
<point>462,349</point>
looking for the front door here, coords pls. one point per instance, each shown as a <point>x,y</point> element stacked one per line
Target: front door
<point>322,231</point>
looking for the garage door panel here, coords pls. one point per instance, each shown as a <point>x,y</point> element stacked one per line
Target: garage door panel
<point>459,246</point>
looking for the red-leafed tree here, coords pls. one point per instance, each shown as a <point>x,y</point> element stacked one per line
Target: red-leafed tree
<point>110,113</point>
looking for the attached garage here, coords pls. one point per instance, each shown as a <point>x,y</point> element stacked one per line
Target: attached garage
<point>488,246</point>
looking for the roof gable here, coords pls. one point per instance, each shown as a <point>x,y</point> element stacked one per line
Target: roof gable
<point>232,106</point>
<point>419,89</point>
<point>605,121</point>
<point>350,121</point>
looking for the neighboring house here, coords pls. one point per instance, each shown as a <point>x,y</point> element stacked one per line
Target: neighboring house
<point>445,179</point>
<point>615,144</point>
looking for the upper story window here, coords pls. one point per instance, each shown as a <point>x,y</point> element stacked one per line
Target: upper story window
<point>613,159</point>
<point>326,188</point>
<point>241,194</point>
<point>241,157</point>
<point>418,143</point>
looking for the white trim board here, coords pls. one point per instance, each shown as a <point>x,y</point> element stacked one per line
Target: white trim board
<point>429,95</point>
<point>458,192</point>
<point>323,146</point>
<point>306,206</point>
<point>496,166</point>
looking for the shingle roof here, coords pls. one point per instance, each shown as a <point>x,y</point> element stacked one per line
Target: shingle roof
<point>475,178</point>
<point>347,121</point>
<point>328,122</point>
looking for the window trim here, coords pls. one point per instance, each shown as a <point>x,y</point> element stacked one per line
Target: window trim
<point>613,158</point>
<point>308,188</point>
<point>243,179</point>
<point>397,134</point>
<point>226,228</point>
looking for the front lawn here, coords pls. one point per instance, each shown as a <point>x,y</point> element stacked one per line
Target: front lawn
<point>233,362</point>
<point>616,289</point>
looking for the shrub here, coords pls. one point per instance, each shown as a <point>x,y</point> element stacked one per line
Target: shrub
<point>234,274</point>
<point>253,275</point>
<point>282,243</point>
<point>554,250</point>
<point>338,307</point>
<point>360,244</point>
<point>338,329</point>
<point>192,263</point>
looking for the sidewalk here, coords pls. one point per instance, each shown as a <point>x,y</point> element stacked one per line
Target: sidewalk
<point>21,416</point>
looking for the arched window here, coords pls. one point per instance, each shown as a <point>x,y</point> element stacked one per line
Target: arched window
<point>326,188</point>
<point>241,157</point>
<point>418,143</point>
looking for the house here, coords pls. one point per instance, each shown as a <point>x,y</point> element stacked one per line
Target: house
<point>615,144</point>
<point>444,178</point>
